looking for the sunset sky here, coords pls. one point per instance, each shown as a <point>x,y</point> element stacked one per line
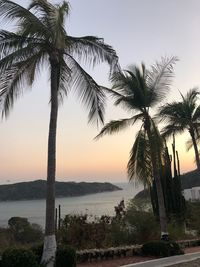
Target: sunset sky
<point>139,30</point>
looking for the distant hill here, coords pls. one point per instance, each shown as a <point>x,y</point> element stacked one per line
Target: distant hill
<point>37,190</point>
<point>188,180</point>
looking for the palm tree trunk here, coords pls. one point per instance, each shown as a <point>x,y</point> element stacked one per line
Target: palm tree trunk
<point>49,249</point>
<point>191,130</point>
<point>156,175</point>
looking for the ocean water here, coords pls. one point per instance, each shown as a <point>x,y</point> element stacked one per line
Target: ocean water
<point>93,204</point>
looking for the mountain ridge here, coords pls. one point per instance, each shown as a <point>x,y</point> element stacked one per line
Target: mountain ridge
<point>37,189</point>
<point>188,180</point>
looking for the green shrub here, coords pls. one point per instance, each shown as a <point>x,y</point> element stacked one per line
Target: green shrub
<point>161,249</point>
<point>37,250</point>
<point>18,258</point>
<point>65,257</point>
<point>142,224</point>
<point>23,231</point>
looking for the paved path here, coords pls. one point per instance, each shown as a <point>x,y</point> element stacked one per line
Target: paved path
<point>169,261</point>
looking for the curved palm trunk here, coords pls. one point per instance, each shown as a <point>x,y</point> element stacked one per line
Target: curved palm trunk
<point>156,175</point>
<point>49,249</point>
<point>197,159</point>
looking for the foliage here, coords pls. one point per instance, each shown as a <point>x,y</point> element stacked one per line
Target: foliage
<point>18,258</point>
<point>6,239</point>
<point>183,115</point>
<point>23,231</point>
<point>65,256</point>
<point>76,229</point>
<point>37,250</point>
<point>193,216</point>
<point>161,249</point>
<point>177,230</point>
<point>141,222</point>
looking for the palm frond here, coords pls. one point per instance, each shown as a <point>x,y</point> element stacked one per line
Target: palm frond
<point>88,91</point>
<point>17,78</point>
<point>196,115</point>
<point>160,76</point>
<point>132,86</point>
<point>10,42</point>
<point>53,16</point>
<point>174,113</point>
<point>19,55</point>
<point>139,166</point>
<point>156,138</point>
<point>169,130</point>
<point>65,76</point>
<point>189,144</point>
<point>118,125</point>
<point>192,95</point>
<point>92,50</point>
<point>126,82</point>
<point>111,92</point>
<point>26,20</point>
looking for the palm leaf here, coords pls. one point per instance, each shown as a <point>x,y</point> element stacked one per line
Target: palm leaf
<point>15,79</point>
<point>19,55</point>
<point>159,78</point>
<point>88,91</point>
<point>53,16</point>
<point>92,50</point>
<point>118,125</point>
<point>65,76</point>
<point>169,130</point>
<point>139,166</point>
<point>26,20</point>
<point>10,42</point>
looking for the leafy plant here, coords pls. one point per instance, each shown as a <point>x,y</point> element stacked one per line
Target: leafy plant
<point>161,249</point>
<point>18,258</point>
<point>23,231</point>
<point>65,257</point>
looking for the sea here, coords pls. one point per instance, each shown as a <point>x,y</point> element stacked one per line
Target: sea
<point>94,204</point>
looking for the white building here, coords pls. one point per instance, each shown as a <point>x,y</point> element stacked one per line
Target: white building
<point>192,194</point>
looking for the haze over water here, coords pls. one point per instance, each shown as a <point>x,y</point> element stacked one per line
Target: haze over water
<point>93,204</point>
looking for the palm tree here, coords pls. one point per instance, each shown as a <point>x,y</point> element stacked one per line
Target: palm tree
<point>41,40</point>
<point>181,116</point>
<point>138,90</point>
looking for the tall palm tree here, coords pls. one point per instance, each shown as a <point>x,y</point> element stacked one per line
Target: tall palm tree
<point>181,116</point>
<point>138,90</point>
<point>41,40</point>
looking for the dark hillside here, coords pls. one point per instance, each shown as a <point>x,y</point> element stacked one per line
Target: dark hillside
<point>188,180</point>
<point>37,189</point>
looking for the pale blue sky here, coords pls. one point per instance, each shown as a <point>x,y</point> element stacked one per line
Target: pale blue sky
<point>139,30</point>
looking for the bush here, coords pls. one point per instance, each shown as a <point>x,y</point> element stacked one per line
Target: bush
<point>23,231</point>
<point>37,251</point>
<point>142,224</point>
<point>65,257</point>
<point>161,249</point>
<point>18,258</point>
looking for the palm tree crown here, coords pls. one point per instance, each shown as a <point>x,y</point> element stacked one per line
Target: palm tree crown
<point>181,116</point>
<point>42,39</point>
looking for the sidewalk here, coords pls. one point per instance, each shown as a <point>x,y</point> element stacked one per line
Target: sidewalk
<point>169,261</point>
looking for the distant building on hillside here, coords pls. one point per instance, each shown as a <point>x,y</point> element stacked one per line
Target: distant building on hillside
<point>192,194</point>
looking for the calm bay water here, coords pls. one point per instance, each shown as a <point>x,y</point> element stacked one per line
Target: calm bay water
<point>94,204</point>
